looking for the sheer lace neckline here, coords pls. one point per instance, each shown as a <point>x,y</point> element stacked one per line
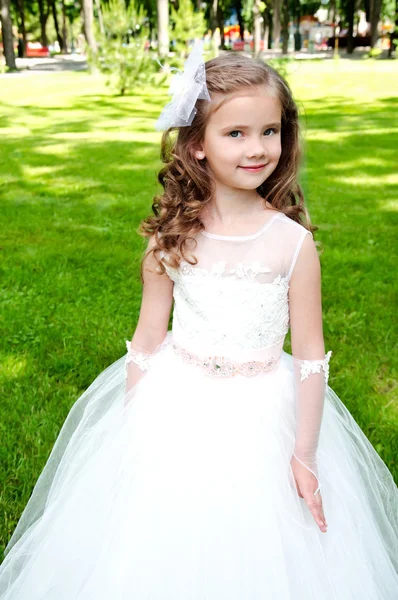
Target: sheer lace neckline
<point>238,238</point>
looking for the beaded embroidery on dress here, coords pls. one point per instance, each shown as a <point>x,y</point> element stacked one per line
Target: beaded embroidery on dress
<point>185,491</point>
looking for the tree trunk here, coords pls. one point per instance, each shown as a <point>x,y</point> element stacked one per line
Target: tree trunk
<point>43,17</point>
<point>64,47</point>
<point>163,27</point>
<point>21,24</point>
<point>285,26</point>
<point>276,23</point>
<point>56,25</point>
<point>265,33</point>
<point>238,7</point>
<point>213,27</point>
<point>374,18</point>
<point>213,16</point>
<point>6,32</point>
<point>297,34</point>
<point>332,15</point>
<point>350,19</point>
<point>220,24</point>
<point>268,14</point>
<point>100,19</point>
<point>366,8</point>
<point>88,18</point>
<point>257,27</point>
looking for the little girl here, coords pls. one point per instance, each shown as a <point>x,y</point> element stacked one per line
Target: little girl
<point>208,463</point>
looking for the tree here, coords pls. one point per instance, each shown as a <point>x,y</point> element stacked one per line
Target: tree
<point>64,46</point>
<point>267,26</point>
<point>122,53</point>
<point>213,16</point>
<point>186,25</point>
<point>350,19</point>
<point>374,18</point>
<point>6,31</point>
<point>20,11</point>
<point>223,7</point>
<point>163,28</point>
<point>217,10</point>
<point>237,4</point>
<point>394,33</point>
<point>285,26</point>
<point>257,27</point>
<point>88,19</point>
<point>276,22</point>
<point>56,25</point>
<point>44,12</point>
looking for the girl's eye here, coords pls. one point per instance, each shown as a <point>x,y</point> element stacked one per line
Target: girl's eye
<point>268,132</point>
<point>232,133</point>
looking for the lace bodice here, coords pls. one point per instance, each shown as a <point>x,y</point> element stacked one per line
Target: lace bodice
<point>235,299</point>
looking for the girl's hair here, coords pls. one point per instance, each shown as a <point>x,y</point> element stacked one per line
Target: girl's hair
<point>187,183</point>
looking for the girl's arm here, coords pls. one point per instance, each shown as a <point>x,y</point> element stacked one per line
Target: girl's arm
<point>157,300</point>
<point>308,350</point>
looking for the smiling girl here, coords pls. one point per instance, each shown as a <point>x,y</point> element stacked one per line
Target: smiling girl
<point>192,467</point>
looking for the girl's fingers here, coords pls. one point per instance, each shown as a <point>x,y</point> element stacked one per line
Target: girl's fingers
<point>314,503</point>
<point>305,489</point>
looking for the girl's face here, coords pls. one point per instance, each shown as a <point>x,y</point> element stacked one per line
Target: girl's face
<point>242,141</point>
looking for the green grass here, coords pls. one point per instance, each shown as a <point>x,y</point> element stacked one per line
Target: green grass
<point>78,173</point>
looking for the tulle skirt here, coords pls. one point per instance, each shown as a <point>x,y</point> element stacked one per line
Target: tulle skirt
<point>186,493</point>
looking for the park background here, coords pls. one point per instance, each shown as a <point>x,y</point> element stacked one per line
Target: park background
<point>79,158</point>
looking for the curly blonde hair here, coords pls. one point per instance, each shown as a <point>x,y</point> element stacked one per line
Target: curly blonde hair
<point>187,183</point>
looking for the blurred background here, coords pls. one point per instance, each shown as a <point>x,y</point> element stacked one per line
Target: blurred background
<point>47,28</point>
<point>81,88</point>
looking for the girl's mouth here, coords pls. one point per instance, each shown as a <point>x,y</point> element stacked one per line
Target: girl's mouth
<point>254,168</point>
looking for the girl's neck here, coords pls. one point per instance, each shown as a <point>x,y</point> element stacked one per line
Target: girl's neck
<point>225,211</point>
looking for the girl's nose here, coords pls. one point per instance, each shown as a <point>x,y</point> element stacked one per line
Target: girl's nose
<point>255,149</point>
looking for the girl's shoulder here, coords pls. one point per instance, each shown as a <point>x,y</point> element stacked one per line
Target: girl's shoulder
<point>288,228</point>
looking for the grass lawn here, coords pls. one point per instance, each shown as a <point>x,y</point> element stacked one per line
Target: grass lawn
<point>77,174</point>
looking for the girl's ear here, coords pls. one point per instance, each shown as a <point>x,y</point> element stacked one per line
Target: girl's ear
<point>199,153</point>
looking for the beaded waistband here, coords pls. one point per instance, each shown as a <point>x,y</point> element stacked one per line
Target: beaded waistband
<point>220,366</point>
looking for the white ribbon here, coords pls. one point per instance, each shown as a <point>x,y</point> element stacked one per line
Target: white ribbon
<point>186,86</point>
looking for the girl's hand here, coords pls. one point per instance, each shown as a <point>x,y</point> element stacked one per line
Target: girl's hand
<point>306,484</point>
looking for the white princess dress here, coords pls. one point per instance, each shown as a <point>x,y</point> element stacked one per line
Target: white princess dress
<point>186,492</point>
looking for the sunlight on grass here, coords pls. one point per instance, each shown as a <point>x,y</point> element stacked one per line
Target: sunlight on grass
<point>366,179</point>
<point>388,205</point>
<point>12,367</point>
<point>336,136</point>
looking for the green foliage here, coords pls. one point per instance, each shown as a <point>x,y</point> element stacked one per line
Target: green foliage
<point>123,55</point>
<point>374,53</point>
<point>388,9</point>
<point>281,64</point>
<point>247,13</point>
<point>394,53</point>
<point>185,25</point>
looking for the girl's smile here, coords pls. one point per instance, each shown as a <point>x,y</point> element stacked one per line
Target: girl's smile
<point>254,168</point>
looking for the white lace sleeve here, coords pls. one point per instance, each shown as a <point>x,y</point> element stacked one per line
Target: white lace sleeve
<point>309,367</point>
<point>311,377</point>
<point>311,364</point>
<point>141,359</point>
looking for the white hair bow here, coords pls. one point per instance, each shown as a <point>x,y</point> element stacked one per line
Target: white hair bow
<point>186,87</point>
